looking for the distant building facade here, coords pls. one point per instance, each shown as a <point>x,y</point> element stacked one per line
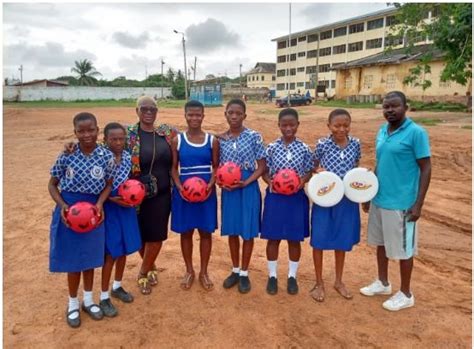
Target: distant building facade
<point>43,83</point>
<point>262,76</point>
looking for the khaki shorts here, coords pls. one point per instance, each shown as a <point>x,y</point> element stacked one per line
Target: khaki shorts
<point>390,228</point>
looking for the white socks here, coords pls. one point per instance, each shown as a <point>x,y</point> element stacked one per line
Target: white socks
<point>236,270</point>
<point>292,269</point>
<point>104,295</point>
<point>116,284</point>
<point>88,301</point>
<point>244,273</point>
<point>73,304</point>
<point>272,268</point>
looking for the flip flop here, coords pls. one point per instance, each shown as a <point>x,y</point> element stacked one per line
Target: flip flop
<point>187,281</point>
<point>345,294</point>
<point>152,276</point>
<point>318,293</point>
<point>206,283</point>
<point>143,285</point>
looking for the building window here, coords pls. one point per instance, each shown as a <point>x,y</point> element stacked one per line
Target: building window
<point>257,77</point>
<point>333,83</point>
<point>340,31</point>
<point>281,59</point>
<point>311,69</point>
<point>302,38</point>
<point>356,28</point>
<point>312,38</point>
<point>417,37</point>
<point>292,71</point>
<point>294,42</point>
<point>325,52</point>
<point>324,68</point>
<point>300,69</point>
<point>312,54</point>
<point>348,83</point>
<point>435,12</point>
<point>282,44</point>
<point>300,84</point>
<point>293,57</point>
<point>263,78</point>
<point>368,81</point>
<point>292,86</point>
<point>280,87</point>
<point>273,78</point>
<point>301,54</point>
<point>393,41</point>
<point>390,81</point>
<point>281,72</point>
<point>326,35</point>
<point>253,78</point>
<point>248,78</point>
<point>339,49</point>
<point>374,43</point>
<point>390,20</point>
<point>356,46</point>
<point>376,23</point>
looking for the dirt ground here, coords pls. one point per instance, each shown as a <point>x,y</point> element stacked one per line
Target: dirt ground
<point>34,300</point>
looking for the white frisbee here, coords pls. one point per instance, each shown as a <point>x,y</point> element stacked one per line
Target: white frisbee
<point>360,185</point>
<point>325,189</point>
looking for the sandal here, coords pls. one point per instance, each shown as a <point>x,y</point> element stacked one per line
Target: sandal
<point>152,276</point>
<point>187,281</point>
<point>317,293</point>
<point>341,289</point>
<point>143,285</point>
<point>206,283</point>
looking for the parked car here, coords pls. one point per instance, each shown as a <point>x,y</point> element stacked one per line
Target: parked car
<point>295,99</point>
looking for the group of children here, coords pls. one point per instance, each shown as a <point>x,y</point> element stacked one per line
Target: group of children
<point>93,173</point>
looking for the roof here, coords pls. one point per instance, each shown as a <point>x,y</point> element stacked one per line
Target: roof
<point>34,82</point>
<point>324,27</point>
<point>397,56</point>
<point>262,67</point>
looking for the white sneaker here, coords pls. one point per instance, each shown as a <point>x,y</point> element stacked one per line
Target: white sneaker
<point>399,301</point>
<point>376,288</point>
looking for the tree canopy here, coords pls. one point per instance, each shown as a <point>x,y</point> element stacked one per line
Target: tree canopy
<point>86,72</point>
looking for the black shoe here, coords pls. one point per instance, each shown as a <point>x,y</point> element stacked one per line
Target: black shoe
<point>108,308</point>
<point>272,285</point>
<point>231,280</point>
<point>244,284</point>
<point>292,286</point>
<point>95,315</point>
<point>123,295</point>
<point>74,323</point>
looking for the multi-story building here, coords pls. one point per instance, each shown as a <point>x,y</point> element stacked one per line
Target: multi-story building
<point>262,75</point>
<point>308,56</point>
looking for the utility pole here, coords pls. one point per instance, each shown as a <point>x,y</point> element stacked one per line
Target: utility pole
<point>162,77</point>
<point>21,73</point>
<point>195,62</point>
<point>185,68</point>
<point>146,71</point>
<point>240,78</point>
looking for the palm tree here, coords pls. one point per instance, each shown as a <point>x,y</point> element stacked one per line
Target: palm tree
<point>86,72</point>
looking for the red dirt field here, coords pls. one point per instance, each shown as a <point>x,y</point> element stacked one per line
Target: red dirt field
<point>35,299</point>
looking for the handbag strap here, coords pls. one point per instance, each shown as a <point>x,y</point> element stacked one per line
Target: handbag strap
<point>154,150</point>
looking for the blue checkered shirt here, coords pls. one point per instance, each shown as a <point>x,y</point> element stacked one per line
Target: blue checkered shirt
<point>122,170</point>
<point>244,150</point>
<point>336,159</point>
<point>296,156</point>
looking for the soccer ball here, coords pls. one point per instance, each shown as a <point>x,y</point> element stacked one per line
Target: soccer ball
<point>82,217</point>
<point>194,189</point>
<point>228,173</point>
<point>132,192</point>
<point>286,182</point>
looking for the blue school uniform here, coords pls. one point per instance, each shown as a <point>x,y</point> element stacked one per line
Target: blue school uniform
<point>241,208</point>
<point>122,234</point>
<point>81,178</point>
<point>195,160</point>
<point>286,217</point>
<point>336,227</point>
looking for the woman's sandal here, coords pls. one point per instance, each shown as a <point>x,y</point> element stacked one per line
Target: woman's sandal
<point>152,276</point>
<point>341,289</point>
<point>143,284</point>
<point>318,293</point>
<point>187,281</point>
<point>206,283</point>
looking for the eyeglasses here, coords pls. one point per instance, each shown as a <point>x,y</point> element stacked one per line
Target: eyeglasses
<point>144,110</point>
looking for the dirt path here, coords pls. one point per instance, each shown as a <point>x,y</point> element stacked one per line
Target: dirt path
<point>35,300</point>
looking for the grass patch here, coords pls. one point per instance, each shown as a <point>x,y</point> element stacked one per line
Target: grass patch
<point>436,106</point>
<point>428,121</point>
<point>339,103</point>
<point>467,127</point>
<point>130,103</point>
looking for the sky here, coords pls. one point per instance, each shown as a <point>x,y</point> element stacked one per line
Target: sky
<point>131,39</point>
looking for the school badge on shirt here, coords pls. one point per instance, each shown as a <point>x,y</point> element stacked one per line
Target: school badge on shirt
<point>97,172</point>
<point>69,173</point>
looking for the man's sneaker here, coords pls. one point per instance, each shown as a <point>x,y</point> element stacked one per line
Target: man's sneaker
<point>399,301</point>
<point>272,285</point>
<point>244,284</point>
<point>376,288</point>
<point>231,280</point>
<point>108,308</point>
<point>121,294</point>
<point>292,287</point>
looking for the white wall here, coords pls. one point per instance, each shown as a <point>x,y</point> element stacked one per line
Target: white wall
<point>74,93</point>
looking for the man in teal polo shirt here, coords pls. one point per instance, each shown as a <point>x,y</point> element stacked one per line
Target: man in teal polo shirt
<point>403,169</point>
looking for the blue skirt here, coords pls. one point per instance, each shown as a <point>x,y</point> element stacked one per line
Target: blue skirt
<point>337,227</point>
<point>70,252</point>
<point>122,234</point>
<point>187,216</point>
<point>285,217</point>
<point>241,210</point>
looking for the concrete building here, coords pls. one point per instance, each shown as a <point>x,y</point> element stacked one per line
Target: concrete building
<point>262,75</point>
<point>43,83</point>
<point>329,45</point>
<point>371,77</point>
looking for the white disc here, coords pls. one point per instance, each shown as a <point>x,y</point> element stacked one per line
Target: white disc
<point>325,189</point>
<point>360,185</point>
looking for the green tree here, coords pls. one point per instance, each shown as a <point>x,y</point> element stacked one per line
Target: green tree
<point>450,29</point>
<point>178,86</point>
<point>170,75</point>
<point>86,72</point>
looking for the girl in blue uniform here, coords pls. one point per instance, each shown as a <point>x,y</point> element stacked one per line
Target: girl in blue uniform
<point>195,154</point>
<point>241,202</point>
<point>122,235</point>
<point>286,217</point>
<point>84,175</point>
<point>335,228</point>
